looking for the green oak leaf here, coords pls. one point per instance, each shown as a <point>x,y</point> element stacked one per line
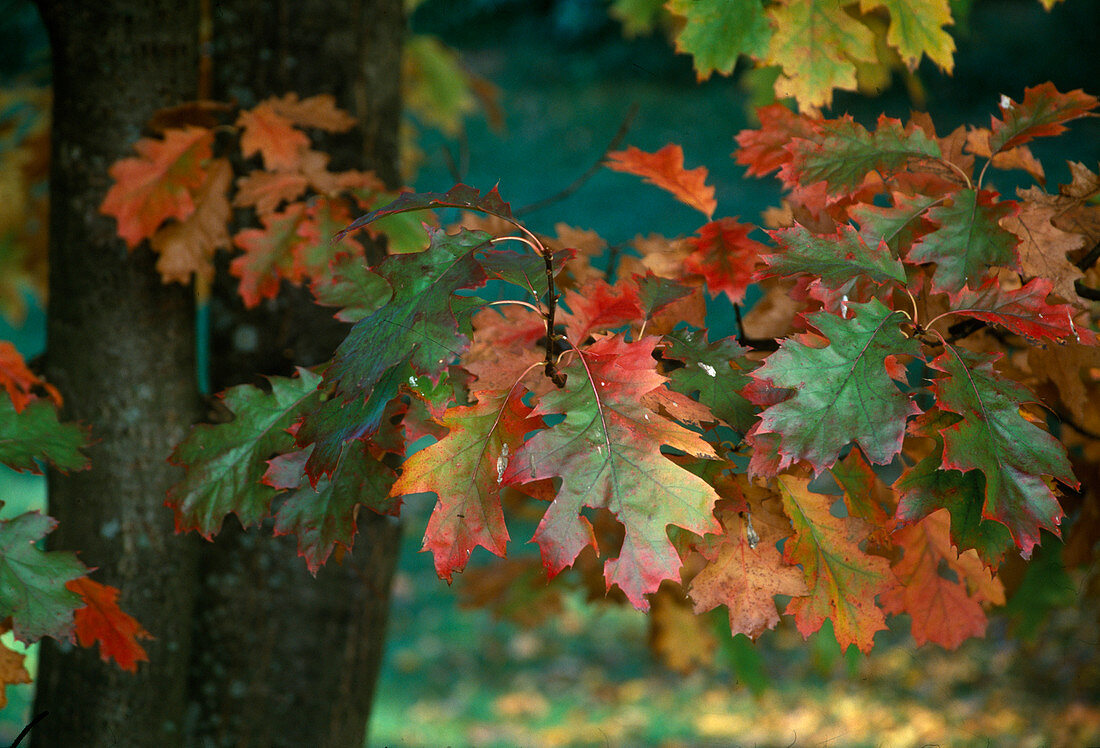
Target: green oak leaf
<point>717,32</point>
<point>834,259</point>
<point>32,581</point>
<point>36,434</point>
<point>226,462</point>
<point>992,437</point>
<point>969,239</point>
<point>842,392</point>
<point>715,373</point>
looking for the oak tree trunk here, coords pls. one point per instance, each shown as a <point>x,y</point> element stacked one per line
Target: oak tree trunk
<point>121,350</point>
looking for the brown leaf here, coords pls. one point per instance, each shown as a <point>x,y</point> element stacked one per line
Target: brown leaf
<point>188,246</point>
<point>1062,364</point>
<point>12,670</point>
<point>1043,247</point>
<point>1084,184</point>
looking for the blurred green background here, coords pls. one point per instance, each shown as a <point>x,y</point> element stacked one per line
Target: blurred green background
<point>586,674</point>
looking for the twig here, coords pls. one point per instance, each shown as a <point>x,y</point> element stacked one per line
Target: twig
<point>580,181</point>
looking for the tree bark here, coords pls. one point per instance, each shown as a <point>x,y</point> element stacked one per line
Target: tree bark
<point>121,350</point>
<point>302,668</point>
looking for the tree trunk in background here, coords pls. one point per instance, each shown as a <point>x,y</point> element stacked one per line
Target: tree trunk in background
<point>121,350</point>
<point>281,658</point>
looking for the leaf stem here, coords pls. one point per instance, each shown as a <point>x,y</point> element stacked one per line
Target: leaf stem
<point>517,302</point>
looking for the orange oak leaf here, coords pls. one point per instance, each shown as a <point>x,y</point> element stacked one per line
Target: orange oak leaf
<point>188,246</point>
<point>101,620</point>
<point>265,131</point>
<point>19,381</point>
<point>159,184</point>
<point>725,256</point>
<point>13,671</point>
<point>665,169</point>
<point>945,606</point>
<point>316,111</point>
<point>843,580</point>
<point>267,190</point>
<point>269,254</point>
<point>744,572</point>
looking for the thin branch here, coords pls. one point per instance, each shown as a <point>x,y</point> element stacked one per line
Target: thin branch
<point>592,170</point>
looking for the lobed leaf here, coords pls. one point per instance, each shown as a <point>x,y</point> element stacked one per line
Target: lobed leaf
<point>1041,114</point>
<point>35,434</point>
<point>102,621</point>
<point>665,169</point>
<point>725,256</point>
<point>717,32</point>
<point>833,259</point>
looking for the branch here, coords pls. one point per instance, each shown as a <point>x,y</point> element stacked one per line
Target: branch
<point>580,181</point>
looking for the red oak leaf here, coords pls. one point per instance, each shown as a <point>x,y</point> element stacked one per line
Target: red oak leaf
<point>19,381</point>
<point>598,307</point>
<point>725,256</point>
<point>1041,114</point>
<point>270,255</point>
<point>665,169</point>
<point>101,620</point>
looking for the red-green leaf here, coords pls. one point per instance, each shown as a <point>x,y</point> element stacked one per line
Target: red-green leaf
<point>843,392</point>
<point>465,470</point>
<point>225,462</point>
<point>1041,114</point>
<point>459,196</point>
<point>1023,311</point>
<point>969,239</point>
<point>833,259</point>
<point>101,620</point>
<point>598,307</point>
<point>845,152</point>
<point>269,255</point>
<point>1013,453</point>
<point>897,225</point>
<point>324,516</point>
<point>715,373</point>
<point>725,256</point>
<point>424,326</point>
<point>607,454</point>
<point>767,149</point>
<point>665,169</point>
<point>843,580</point>
<point>32,581</point>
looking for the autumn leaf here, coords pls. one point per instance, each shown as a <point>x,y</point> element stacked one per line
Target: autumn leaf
<point>159,184</point>
<point>481,440</point>
<point>1011,452</point>
<point>842,152</point>
<point>898,225</point>
<point>835,260</point>
<point>1023,311</point>
<point>941,591</point>
<point>1042,113</point>
<point>318,111</point>
<point>656,294</point>
<point>714,373</point>
<point>226,462</point>
<point>968,239</point>
<point>842,392</point>
<point>13,670</point>
<point>717,32</point>
<point>188,246</point>
<point>351,285</point>
<point>269,255</point>
<point>323,517</point>
<point>424,326</point>
<point>843,580</point>
<point>766,149</point>
<point>102,621</point>
<point>916,29</point>
<point>745,574</point>
<point>460,196</point>
<point>20,382</point>
<point>598,307</point>
<point>32,581</point>
<point>816,44</point>
<point>1043,246</point>
<point>725,256</point>
<point>607,453</point>
<point>35,434</point>
<point>665,169</point>
<point>926,487</point>
<point>273,136</point>
<point>267,190</point>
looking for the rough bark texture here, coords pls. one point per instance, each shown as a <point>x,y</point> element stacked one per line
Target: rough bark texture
<point>302,668</point>
<point>121,350</point>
